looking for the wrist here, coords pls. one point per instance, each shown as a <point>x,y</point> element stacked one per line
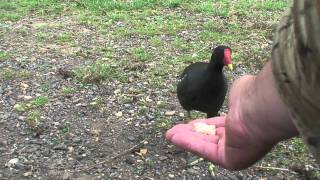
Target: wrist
<point>264,115</point>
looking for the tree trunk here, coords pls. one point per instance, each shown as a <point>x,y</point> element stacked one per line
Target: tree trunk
<point>296,68</point>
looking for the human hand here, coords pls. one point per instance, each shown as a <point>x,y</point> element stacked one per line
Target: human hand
<point>232,152</point>
<point>242,137</point>
<point>208,146</point>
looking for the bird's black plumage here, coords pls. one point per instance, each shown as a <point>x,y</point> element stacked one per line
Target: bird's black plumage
<point>202,86</point>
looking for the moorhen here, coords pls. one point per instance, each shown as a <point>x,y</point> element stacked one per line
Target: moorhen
<point>202,86</point>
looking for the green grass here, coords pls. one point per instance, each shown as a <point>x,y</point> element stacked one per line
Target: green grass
<point>43,26</point>
<point>218,9</point>
<point>160,25</point>
<point>163,123</point>
<point>40,101</point>
<point>101,5</point>
<point>99,71</point>
<point>8,11</point>
<point>14,10</point>
<point>11,16</point>
<point>7,6</point>
<point>4,55</point>
<point>66,128</point>
<point>21,107</point>
<point>141,54</point>
<point>65,37</point>
<point>156,41</point>
<point>272,5</point>
<point>181,44</point>
<point>174,3</point>
<point>96,102</point>
<point>12,74</point>
<point>89,18</point>
<point>60,38</point>
<point>45,87</point>
<point>68,90</point>
<point>43,36</point>
<point>157,82</point>
<point>33,119</point>
<point>23,31</point>
<point>285,153</point>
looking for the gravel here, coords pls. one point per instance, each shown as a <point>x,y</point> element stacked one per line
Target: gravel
<point>78,140</point>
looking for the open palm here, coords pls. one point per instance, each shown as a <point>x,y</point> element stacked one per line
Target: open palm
<point>235,145</point>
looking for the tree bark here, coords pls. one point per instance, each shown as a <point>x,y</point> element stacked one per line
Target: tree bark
<point>296,68</point>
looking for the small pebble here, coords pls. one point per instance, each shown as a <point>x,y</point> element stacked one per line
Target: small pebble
<point>130,160</point>
<point>162,158</point>
<point>26,174</point>
<point>31,149</point>
<point>3,143</point>
<point>119,114</point>
<point>27,97</point>
<point>70,149</point>
<point>169,113</point>
<point>131,138</point>
<point>61,147</point>
<point>12,162</point>
<point>76,139</point>
<point>192,171</point>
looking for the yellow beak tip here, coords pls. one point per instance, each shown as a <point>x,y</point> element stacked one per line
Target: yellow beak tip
<point>230,66</point>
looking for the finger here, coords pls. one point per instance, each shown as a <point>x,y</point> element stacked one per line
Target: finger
<point>205,137</point>
<point>180,128</point>
<point>190,143</point>
<point>188,129</point>
<point>217,121</point>
<point>220,131</point>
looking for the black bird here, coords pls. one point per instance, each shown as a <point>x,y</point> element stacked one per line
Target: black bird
<point>202,85</point>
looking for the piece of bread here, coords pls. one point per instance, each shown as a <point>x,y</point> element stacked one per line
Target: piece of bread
<point>204,128</point>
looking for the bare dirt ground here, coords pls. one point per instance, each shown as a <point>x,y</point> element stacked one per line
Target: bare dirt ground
<point>112,130</point>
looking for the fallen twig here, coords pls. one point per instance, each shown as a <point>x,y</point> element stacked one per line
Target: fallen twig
<point>195,162</point>
<point>117,156</point>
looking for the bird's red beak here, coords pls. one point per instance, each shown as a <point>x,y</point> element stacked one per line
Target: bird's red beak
<point>227,58</point>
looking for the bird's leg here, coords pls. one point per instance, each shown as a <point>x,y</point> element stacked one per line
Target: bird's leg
<point>188,118</point>
<point>188,115</point>
<point>211,114</point>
